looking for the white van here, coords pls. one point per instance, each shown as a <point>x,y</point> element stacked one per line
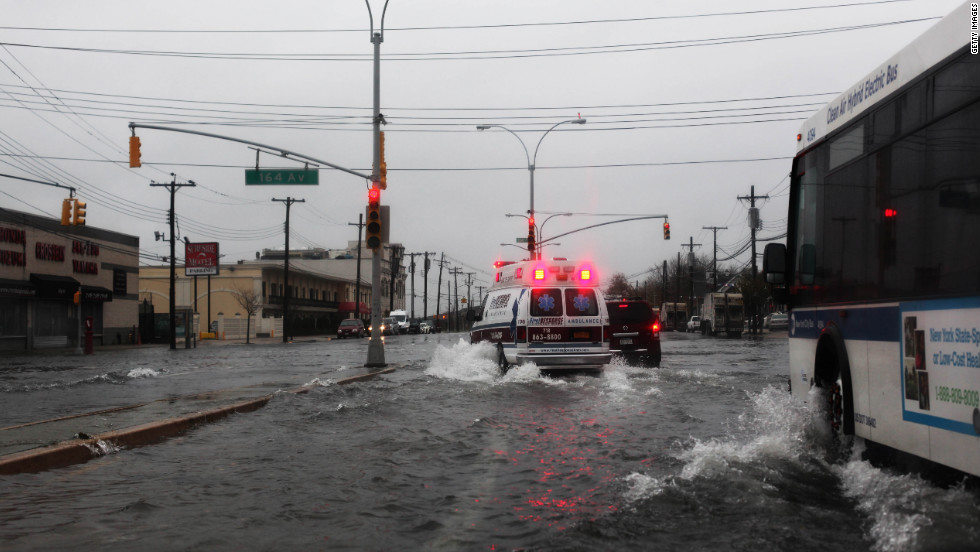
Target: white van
<point>551,313</point>
<point>401,319</point>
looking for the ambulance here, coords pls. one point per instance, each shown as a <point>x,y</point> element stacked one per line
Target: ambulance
<point>551,313</point>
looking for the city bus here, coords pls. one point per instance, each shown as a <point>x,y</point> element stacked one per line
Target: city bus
<point>881,269</point>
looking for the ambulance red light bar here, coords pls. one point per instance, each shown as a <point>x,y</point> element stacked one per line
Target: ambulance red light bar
<point>539,273</point>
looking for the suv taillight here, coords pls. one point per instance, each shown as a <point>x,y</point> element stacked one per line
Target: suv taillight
<point>656,327</point>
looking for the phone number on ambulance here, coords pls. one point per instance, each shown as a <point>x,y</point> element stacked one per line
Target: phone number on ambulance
<point>968,397</point>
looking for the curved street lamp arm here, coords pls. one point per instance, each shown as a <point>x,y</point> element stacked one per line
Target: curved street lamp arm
<point>526,154</point>
<point>577,121</point>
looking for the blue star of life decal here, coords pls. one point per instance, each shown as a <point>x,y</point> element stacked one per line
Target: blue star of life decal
<point>546,302</point>
<point>582,303</point>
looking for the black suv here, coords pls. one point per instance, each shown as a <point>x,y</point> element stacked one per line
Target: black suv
<point>635,329</point>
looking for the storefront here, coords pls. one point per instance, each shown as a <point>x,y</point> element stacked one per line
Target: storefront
<point>53,277</point>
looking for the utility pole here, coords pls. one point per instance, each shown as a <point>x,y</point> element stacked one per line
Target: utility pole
<point>449,306</point>
<point>690,272</point>
<point>396,261</point>
<point>714,255</point>
<point>442,263</point>
<point>456,272</point>
<point>411,268</point>
<point>285,280</point>
<point>172,188</point>
<point>425,286</point>
<point>469,283</point>
<point>754,224</point>
<point>357,285</point>
<point>678,275</point>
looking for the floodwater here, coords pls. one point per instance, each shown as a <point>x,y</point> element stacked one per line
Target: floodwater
<point>708,452</point>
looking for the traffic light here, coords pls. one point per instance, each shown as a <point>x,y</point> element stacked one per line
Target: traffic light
<point>666,230</point>
<point>79,219</point>
<point>66,212</point>
<point>531,242</point>
<point>77,297</point>
<point>134,151</point>
<point>383,171</point>
<point>374,218</point>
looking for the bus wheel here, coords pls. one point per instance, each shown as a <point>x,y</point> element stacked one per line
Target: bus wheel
<point>834,377</point>
<point>501,358</point>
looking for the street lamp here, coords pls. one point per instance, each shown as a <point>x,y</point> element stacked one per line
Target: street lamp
<point>532,249</point>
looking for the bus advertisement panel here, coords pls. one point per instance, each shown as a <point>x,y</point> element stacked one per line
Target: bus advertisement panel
<point>940,361</point>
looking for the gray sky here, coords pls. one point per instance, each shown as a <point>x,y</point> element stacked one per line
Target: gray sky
<point>689,104</point>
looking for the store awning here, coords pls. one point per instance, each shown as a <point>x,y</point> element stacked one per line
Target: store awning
<point>50,286</point>
<point>95,294</point>
<point>348,306</point>
<point>17,288</point>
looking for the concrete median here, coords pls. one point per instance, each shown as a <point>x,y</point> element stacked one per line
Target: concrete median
<point>85,447</point>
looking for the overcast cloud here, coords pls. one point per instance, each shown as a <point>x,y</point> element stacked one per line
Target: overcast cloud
<point>689,104</point>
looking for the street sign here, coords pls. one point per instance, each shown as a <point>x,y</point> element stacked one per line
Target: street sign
<point>521,240</point>
<point>282,177</point>
<point>201,259</point>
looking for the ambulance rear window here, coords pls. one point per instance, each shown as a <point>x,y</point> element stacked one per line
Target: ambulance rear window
<point>546,302</point>
<point>581,302</point>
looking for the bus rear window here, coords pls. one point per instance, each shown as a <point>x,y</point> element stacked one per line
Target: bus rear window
<point>546,302</point>
<point>581,302</point>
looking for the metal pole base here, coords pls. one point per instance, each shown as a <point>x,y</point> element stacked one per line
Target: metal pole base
<point>376,354</point>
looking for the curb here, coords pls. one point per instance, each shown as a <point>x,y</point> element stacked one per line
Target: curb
<point>78,451</point>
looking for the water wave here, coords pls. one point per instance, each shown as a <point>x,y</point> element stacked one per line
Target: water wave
<point>477,362</point>
<point>907,513</point>
<point>142,373</point>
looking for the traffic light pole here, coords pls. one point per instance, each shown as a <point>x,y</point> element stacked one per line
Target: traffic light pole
<point>376,349</point>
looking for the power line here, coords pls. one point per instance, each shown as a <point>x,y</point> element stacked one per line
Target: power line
<point>453,27</point>
<point>481,54</point>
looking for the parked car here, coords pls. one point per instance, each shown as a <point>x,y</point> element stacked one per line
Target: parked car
<point>389,326</point>
<point>635,331</point>
<point>425,327</point>
<point>778,321</point>
<point>694,324</point>
<point>413,326</point>
<point>352,327</point>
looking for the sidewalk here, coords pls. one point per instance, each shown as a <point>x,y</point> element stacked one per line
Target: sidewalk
<point>49,444</point>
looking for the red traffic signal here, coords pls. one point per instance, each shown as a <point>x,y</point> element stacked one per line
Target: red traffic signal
<point>666,230</point>
<point>374,218</point>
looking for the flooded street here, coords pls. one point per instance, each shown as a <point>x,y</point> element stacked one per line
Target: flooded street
<point>706,453</point>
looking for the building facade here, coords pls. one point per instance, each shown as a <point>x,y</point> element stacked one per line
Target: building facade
<point>42,266</point>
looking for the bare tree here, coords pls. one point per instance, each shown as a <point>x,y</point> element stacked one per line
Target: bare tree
<point>250,302</point>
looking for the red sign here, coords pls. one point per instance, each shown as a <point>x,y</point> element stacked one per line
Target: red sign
<point>201,259</point>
